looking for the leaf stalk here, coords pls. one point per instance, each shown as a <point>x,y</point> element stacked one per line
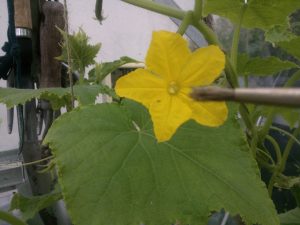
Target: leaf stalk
<point>158,8</point>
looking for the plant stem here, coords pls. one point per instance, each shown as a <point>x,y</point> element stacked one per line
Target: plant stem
<point>266,154</point>
<point>198,9</point>
<point>209,35</point>
<point>236,38</point>
<point>272,112</point>
<point>17,165</point>
<point>187,20</point>
<point>81,76</point>
<point>266,165</point>
<point>280,167</point>
<point>272,181</point>
<point>276,148</point>
<point>7,217</point>
<point>69,54</point>
<point>286,133</point>
<point>38,161</point>
<point>159,8</point>
<point>288,149</point>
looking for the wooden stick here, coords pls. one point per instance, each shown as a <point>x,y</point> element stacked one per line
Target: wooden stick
<point>266,96</point>
<point>50,38</point>
<point>22,14</point>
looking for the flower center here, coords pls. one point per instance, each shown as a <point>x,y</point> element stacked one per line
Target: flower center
<point>173,88</point>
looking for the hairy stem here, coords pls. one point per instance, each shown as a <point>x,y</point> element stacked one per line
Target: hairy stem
<point>159,8</point>
<point>280,167</point>
<point>81,76</point>
<point>276,148</point>
<point>187,20</point>
<point>272,181</point>
<point>198,9</point>
<point>291,136</point>
<point>236,38</point>
<point>7,217</point>
<point>69,53</point>
<point>288,148</point>
<point>38,161</point>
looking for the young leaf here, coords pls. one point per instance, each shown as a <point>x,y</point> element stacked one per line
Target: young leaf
<point>100,71</point>
<point>279,34</point>
<point>258,14</point>
<point>285,39</point>
<point>291,217</point>
<point>82,53</point>
<point>262,66</point>
<point>29,206</point>
<point>129,178</point>
<point>292,47</point>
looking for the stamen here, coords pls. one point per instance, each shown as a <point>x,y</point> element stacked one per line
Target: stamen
<point>173,88</point>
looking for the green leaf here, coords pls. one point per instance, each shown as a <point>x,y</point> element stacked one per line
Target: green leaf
<point>259,14</point>
<point>29,206</point>
<point>290,115</point>
<point>262,66</point>
<point>100,71</point>
<point>113,171</point>
<point>292,47</point>
<point>291,217</point>
<point>279,34</point>
<point>58,97</point>
<point>82,53</point>
<point>283,37</point>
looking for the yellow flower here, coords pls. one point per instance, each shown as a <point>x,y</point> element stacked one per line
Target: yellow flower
<point>164,86</point>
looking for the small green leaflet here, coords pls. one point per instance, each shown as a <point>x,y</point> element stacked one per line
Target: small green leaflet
<point>262,14</point>
<point>291,217</point>
<point>113,171</point>
<point>29,206</point>
<point>262,66</point>
<point>100,71</point>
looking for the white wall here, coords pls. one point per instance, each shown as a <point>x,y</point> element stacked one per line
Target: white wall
<point>125,31</point>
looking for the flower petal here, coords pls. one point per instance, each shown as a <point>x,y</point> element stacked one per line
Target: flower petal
<point>212,114</point>
<point>167,115</point>
<point>167,54</point>
<point>202,67</point>
<point>208,113</point>
<point>141,86</point>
